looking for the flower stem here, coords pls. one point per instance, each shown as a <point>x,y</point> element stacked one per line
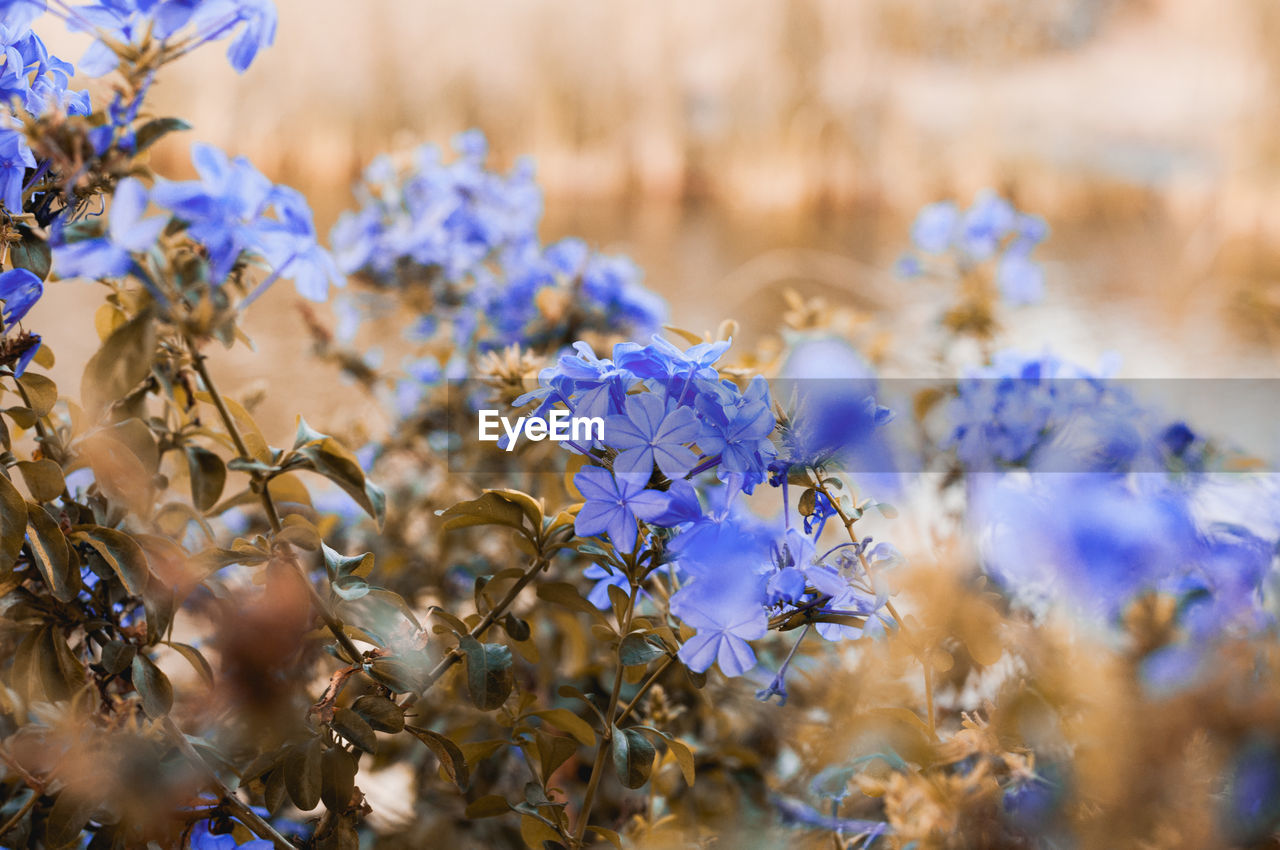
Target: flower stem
<point>477,631</point>
<point>606,738</point>
<point>260,484</point>
<point>893,612</point>
<point>644,689</point>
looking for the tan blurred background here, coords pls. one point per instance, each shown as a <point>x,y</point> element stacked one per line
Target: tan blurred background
<point>733,148</point>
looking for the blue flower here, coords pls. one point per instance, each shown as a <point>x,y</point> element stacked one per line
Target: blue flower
<point>1021,279</point>
<point>225,209</point>
<point>652,431</point>
<point>215,19</point>
<point>935,226</point>
<point>985,225</point>
<point>128,233</point>
<point>15,159</point>
<point>129,21</point>
<point>991,229</point>
<point>19,290</point>
<point>292,250</point>
<point>604,579</point>
<point>18,15</point>
<point>612,504</point>
<point>737,429</point>
<point>230,211</point>
<point>1097,539</point>
<point>725,619</point>
<point>202,839</point>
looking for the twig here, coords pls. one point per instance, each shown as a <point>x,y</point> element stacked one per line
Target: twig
<point>260,484</point>
<point>477,632</point>
<point>242,812</point>
<point>606,738</point>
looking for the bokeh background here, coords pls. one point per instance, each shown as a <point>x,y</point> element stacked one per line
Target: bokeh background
<point>734,149</point>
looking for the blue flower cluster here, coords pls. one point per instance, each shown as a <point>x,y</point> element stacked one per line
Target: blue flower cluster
<point>739,572</point>
<point>36,82</point>
<point>1098,540</point>
<point>990,230</point>
<point>185,24</point>
<point>1041,413</point>
<point>232,210</point>
<point>668,417</point>
<point>471,235</point>
<point>447,217</point>
<point>658,403</point>
<point>1114,504</point>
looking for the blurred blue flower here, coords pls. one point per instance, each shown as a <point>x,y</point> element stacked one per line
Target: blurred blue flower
<point>202,839</point>
<point>128,233</point>
<point>15,159</point>
<point>725,617</point>
<point>19,290</point>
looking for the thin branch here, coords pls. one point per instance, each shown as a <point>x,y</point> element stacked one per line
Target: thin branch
<point>238,808</point>
<point>606,738</point>
<point>260,484</point>
<point>477,632</point>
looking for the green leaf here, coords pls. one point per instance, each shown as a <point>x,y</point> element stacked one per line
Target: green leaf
<point>340,565</point>
<point>31,252</point>
<point>515,627</point>
<point>331,459</point>
<point>537,832</point>
<point>208,477</point>
<point>492,508</point>
<point>306,434</point>
<point>638,649</point>
<point>553,751</point>
<point>153,686</point>
<point>116,656</point>
<point>275,792</point>
<point>608,835</point>
<point>338,778</point>
<point>13,524</point>
<point>67,819</point>
<point>570,723</point>
<point>450,755</point>
<point>632,757</point>
<point>489,678</point>
<point>303,774</point>
<point>61,673</point>
<point>158,604</point>
<point>120,551</point>
<point>530,506</point>
<point>195,659</point>
<point>156,129</point>
<point>488,806</point>
<point>51,554</point>
<point>396,674</point>
<point>566,595</point>
<point>120,365</point>
<point>43,479</point>
<point>41,392</point>
<point>352,726</point>
<point>683,756</point>
<point>380,713</point>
